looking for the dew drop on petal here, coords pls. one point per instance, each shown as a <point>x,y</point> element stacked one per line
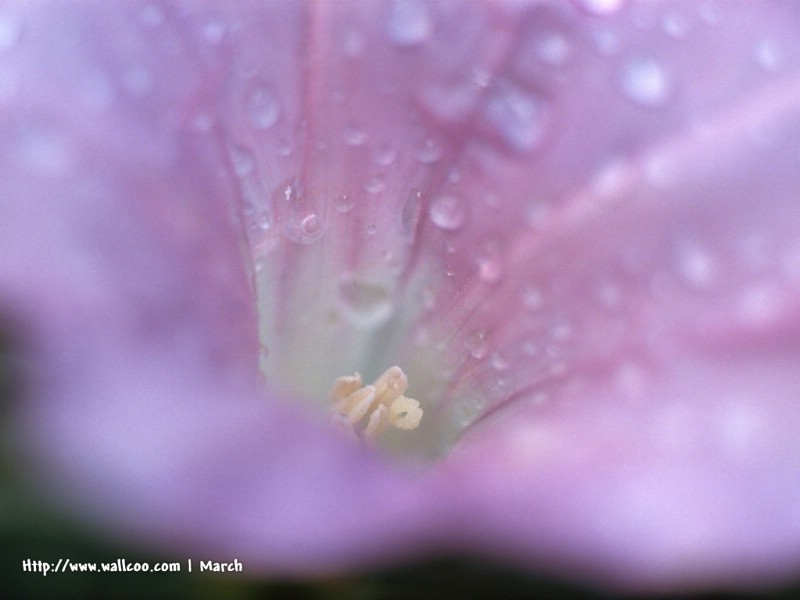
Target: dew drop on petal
<point>519,117</point>
<point>410,215</point>
<point>532,298</point>
<point>759,305</point>
<point>675,25</point>
<point>428,151</point>
<point>10,32</point>
<point>768,55</point>
<point>344,203</point>
<point>410,22</point>
<point>476,345</point>
<point>375,184</point>
<point>214,32</point>
<point>499,361</point>
<point>363,303</point>
<point>304,229</point>
<point>448,212</point>
<point>696,266</point>
<point>553,49</point>
<point>490,270</point>
<point>261,106</point>
<point>354,135</point>
<point>645,82</point>
<point>385,155</point>
<point>600,7</point>
<point>301,224</point>
<point>243,161</point>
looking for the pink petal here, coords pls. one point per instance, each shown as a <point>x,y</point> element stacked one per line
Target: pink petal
<point>124,274</point>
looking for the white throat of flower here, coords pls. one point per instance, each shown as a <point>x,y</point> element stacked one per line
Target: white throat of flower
<point>362,412</point>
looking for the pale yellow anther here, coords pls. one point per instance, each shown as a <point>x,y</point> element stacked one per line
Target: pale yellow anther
<point>344,386</point>
<point>405,413</point>
<point>381,403</point>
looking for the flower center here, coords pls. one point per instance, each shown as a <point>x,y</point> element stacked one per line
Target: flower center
<point>362,412</point>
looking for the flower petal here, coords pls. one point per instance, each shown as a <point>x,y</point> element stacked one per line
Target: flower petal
<point>637,413</point>
<point>124,274</point>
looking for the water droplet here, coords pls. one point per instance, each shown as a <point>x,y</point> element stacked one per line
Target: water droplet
<point>262,222</point>
<point>372,229</point>
<point>609,295</point>
<point>385,155</point>
<point>476,345</point>
<point>519,117</point>
<point>675,25</point>
<point>448,212</point>
<point>354,135</point>
<point>301,223</point>
<point>152,16</point>
<point>499,361</point>
<point>261,106</point>
<point>366,304</point>
<point>601,7</point>
<point>768,55</point>
<point>709,12</point>
<point>310,224</point>
<point>611,177</point>
<point>490,270</point>
<point>759,305</point>
<point>345,203</point>
<point>410,22</point>
<point>243,161</point>
<point>411,212</point>
<point>606,41</point>
<point>553,49</point>
<point>696,266</point>
<point>530,348</point>
<point>561,331</point>
<point>428,151</point>
<point>532,298</point>
<point>450,102</point>
<point>214,31</point>
<point>304,229</point>
<point>645,82</point>
<point>375,184</point>
<point>10,32</point>
<point>285,148</point>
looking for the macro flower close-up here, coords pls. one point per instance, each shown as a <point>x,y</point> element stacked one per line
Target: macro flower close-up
<point>326,286</point>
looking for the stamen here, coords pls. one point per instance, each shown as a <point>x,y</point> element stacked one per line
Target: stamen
<point>381,403</point>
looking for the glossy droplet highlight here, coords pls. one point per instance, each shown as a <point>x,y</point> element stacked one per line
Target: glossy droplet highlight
<point>553,49</point>
<point>261,106</point>
<point>354,135</point>
<point>519,117</point>
<point>696,266</point>
<point>476,345</point>
<point>600,7</point>
<point>10,32</point>
<point>301,223</point>
<point>365,304</point>
<point>645,82</point>
<point>375,184</point>
<point>243,161</point>
<point>428,151</point>
<point>410,22</point>
<point>448,212</point>
<point>344,203</point>
<point>768,55</point>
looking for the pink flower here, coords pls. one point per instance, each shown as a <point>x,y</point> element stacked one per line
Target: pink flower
<point>574,227</point>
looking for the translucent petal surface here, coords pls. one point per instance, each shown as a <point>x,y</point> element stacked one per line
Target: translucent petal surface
<point>573,225</point>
